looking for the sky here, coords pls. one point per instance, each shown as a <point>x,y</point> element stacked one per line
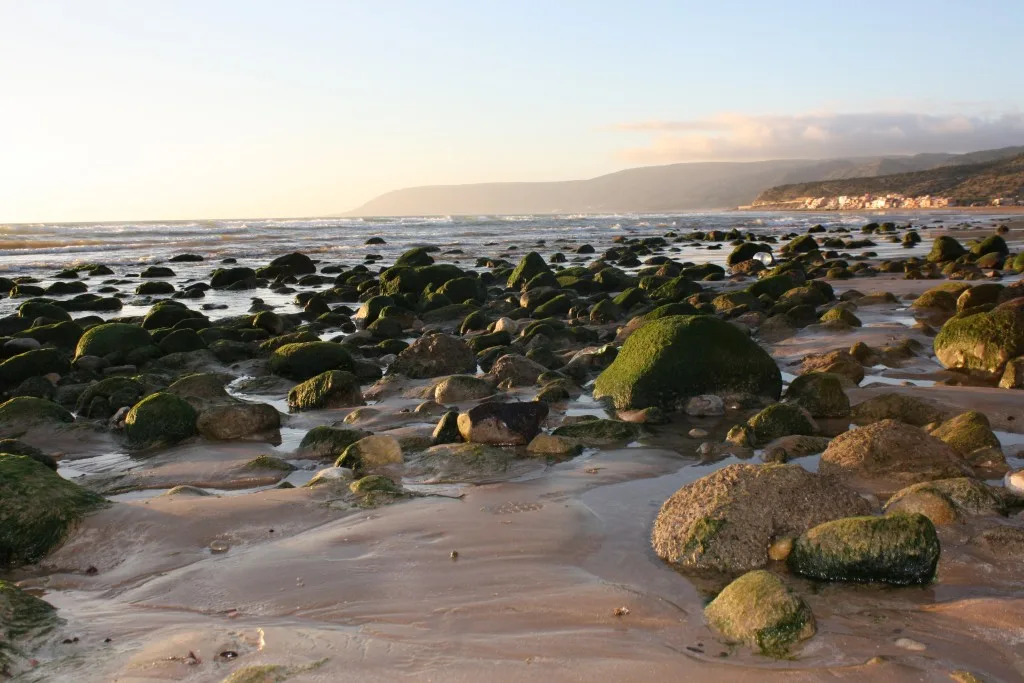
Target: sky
<point>133,110</point>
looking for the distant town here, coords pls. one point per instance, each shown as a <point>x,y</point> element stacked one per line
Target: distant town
<point>875,201</point>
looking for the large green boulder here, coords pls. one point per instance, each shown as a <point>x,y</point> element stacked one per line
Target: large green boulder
<point>900,549</point>
<point>331,389</point>
<point>181,340</point>
<point>982,343</point>
<point>781,419</point>
<point>944,249</point>
<point>35,363</point>
<point>745,252</point>
<point>39,509</point>
<point>993,244</point>
<point>669,360</point>
<point>101,400</point>
<point>42,308</point>
<point>23,413</point>
<point>302,361</point>
<point>461,289</point>
<point>820,394</point>
<point>759,610</point>
<point>417,256</point>
<point>967,433</point>
<point>103,340</point>
<point>329,442</point>
<point>23,619</point>
<point>599,432</point>
<point>530,266</point>
<point>167,314</point>
<point>159,420</point>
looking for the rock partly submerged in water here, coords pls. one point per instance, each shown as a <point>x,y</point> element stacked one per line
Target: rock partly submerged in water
<point>983,343</point>
<point>305,360</point>
<point>39,508</point>
<point>23,619</point>
<point>331,389</point>
<point>599,432</point>
<point>903,407</point>
<point>947,501</point>
<point>159,420</point>
<point>900,549</point>
<point>435,355</point>
<point>726,520</point>
<point>669,360</point>
<point>503,424</point>
<point>757,609</point>
<point>820,393</point>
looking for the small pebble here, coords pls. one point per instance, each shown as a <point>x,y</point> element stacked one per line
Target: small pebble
<point>697,433</point>
<point>912,645</point>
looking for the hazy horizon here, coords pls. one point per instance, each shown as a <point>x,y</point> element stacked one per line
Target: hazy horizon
<point>122,111</point>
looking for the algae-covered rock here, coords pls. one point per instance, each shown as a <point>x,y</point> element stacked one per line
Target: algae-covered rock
<point>726,520</point>
<point>840,314</point>
<point>530,266</point>
<point>373,483</point>
<point>1013,374</point>
<point>900,549</point>
<point>781,419</point>
<point>39,510</point>
<point>895,406</point>
<point>983,343</point>
<point>434,355</point>
<point>160,419</point>
<point>103,340</point>
<point>502,424</point>
<point>888,455</point>
<point>820,394</point>
<point>329,442</point>
<point>745,252</point>
<point>101,400</point>
<point>554,446</point>
<point>23,413</point>
<point>239,420</point>
<point>669,360</point>
<point>945,248</point>
<point>36,363</point>
<point>331,389</point>
<point>759,610</point>
<point>599,432</point>
<point>947,500</point>
<point>967,432</point>
<point>370,453</point>
<point>459,388</point>
<point>464,463</point>
<point>305,360</point>
<point>23,618</point>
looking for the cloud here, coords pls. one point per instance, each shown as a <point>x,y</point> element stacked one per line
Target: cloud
<point>737,137</point>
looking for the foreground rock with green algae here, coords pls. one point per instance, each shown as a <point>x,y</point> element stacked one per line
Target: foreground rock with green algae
<point>23,413</point>
<point>726,520</point>
<point>38,510</point>
<point>983,343</point>
<point>305,360</point>
<point>331,389</point>
<point>160,419</point>
<point>669,360</point>
<point>899,549</point>
<point>759,610</point>
<point>23,617</point>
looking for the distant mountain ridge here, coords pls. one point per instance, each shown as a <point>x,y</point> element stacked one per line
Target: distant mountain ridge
<point>652,189</point>
<point>1000,180</point>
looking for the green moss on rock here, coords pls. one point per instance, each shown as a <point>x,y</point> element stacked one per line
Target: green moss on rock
<point>159,420</point>
<point>22,413</point>
<point>671,359</point>
<point>759,610</point>
<point>35,363</point>
<point>103,340</point>
<point>820,394</point>
<point>331,389</point>
<point>23,618</point>
<point>329,442</point>
<point>302,361</point>
<point>983,343</point>
<point>900,549</point>
<point>599,432</point>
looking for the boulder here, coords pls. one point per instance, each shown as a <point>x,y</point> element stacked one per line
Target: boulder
<point>967,433</point>
<point>36,363</point>
<point>899,549</point>
<point>553,446</point>
<point>460,388</point>
<point>820,394</point>
<point>759,610</point>
<point>109,338</point>
<point>24,413</point>
<point>946,501</point>
<point>447,429</point>
<point>24,618</point>
<point>502,424</point>
<point>1013,374</point>
<point>329,442</point>
<point>982,343</point>
<point>945,248</point>
<point>530,266</point>
<point>305,360</point>
<point>599,432</point>
<point>101,400</point>
<point>516,370</point>
<point>894,406</point>
<point>241,420</point>
<point>435,355</point>
<point>838,362</point>
<point>781,419</point>
<point>331,389</point>
<point>371,453</point>
<point>40,508</point>
<point>159,420</point>
<point>669,360</point>
<point>726,520</point>
<point>888,455</point>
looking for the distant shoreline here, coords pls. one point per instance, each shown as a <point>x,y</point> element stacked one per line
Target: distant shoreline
<point>985,210</point>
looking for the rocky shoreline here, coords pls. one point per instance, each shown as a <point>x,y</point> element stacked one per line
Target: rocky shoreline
<point>414,446</point>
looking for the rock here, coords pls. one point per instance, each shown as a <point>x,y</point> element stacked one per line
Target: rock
<point>839,362</point>
<point>268,463</point>
<point>1006,542</point>
<point>159,420</point>
<point>26,618</point>
<point>306,360</point>
<point>24,413</point>
<point>464,463</point>
<point>820,394</point>
<point>967,433</point>
<point>461,388</point>
<point>554,446</point>
<point>1014,483</point>
<point>705,405</point>
<point>1013,374</point>
<point>781,419</point>
<point>530,266</point>
<point>371,453</point>
<point>599,432</point>
<point>502,424</point>
<point>229,421</point>
<point>101,400</point>
<point>185,490</point>
<point>945,248</point>
<point>328,390</point>
<point>15,447</point>
<point>893,406</point>
<point>516,371</point>
<point>331,475</point>
<point>726,520</point>
<point>888,455</point>
<point>759,610</point>
<point>373,483</point>
<point>670,360</point>
<point>40,508</point>
<point>328,442</point>
<point>787,448</point>
<point>899,549</point>
<point>745,252</point>
<point>447,429</point>
<point>983,343</point>
<point>435,355</point>
<point>840,314</point>
<point>202,388</point>
<point>37,363</point>
<point>947,500</point>
<point>103,340</point>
